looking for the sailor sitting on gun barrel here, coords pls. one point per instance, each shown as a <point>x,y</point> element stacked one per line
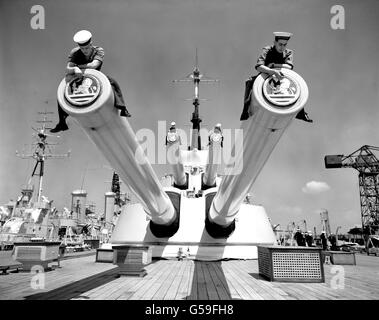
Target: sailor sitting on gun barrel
<point>271,58</point>
<point>87,56</point>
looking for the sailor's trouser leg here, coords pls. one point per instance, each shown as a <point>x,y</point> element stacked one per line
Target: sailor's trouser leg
<point>302,115</point>
<point>62,125</point>
<point>119,102</point>
<point>247,98</point>
<point>62,114</point>
<point>118,98</point>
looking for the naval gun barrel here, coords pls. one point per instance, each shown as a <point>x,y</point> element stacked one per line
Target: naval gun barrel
<point>273,107</point>
<point>90,102</point>
<point>214,160</point>
<point>174,158</point>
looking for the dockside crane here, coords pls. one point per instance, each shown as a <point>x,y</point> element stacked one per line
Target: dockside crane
<point>325,224</point>
<point>367,164</point>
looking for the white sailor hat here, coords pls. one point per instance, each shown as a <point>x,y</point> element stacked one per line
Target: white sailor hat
<point>173,124</point>
<point>282,35</point>
<point>82,37</point>
<point>218,125</point>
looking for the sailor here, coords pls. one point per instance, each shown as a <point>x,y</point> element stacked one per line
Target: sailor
<point>88,56</point>
<point>309,238</point>
<point>217,128</point>
<point>216,131</point>
<point>299,237</point>
<point>172,134</point>
<point>180,254</point>
<point>324,241</point>
<point>271,59</point>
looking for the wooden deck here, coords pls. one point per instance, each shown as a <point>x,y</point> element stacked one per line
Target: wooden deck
<point>83,279</point>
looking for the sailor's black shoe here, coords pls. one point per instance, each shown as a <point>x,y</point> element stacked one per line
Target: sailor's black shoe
<point>306,118</point>
<point>245,112</point>
<point>59,127</point>
<point>244,116</point>
<point>302,115</point>
<point>125,113</point>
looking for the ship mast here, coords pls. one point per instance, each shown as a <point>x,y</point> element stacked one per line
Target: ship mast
<point>196,77</point>
<point>41,152</point>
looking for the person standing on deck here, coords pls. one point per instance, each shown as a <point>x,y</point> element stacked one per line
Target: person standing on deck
<point>309,238</point>
<point>299,237</point>
<point>324,241</point>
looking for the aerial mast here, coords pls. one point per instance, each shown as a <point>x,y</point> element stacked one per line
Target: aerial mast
<point>196,77</point>
<point>41,152</point>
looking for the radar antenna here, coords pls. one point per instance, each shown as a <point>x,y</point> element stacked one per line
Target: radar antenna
<point>41,151</point>
<point>196,77</point>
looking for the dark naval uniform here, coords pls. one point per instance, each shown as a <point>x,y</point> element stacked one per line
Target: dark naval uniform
<point>300,240</point>
<point>77,57</point>
<point>324,241</point>
<point>268,56</point>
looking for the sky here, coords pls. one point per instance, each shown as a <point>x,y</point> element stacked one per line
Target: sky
<point>150,43</point>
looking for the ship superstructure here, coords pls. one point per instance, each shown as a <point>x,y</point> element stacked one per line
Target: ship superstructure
<point>33,215</point>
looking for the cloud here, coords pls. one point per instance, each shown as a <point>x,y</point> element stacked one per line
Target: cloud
<point>315,187</point>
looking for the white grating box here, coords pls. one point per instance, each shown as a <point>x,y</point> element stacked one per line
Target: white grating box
<point>291,264</point>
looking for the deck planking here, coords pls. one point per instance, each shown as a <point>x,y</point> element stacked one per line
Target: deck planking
<point>173,289</point>
<point>130,285</point>
<point>211,288</point>
<point>82,278</point>
<point>160,288</point>
<point>185,283</point>
<point>256,283</point>
<point>201,284</point>
<point>219,281</point>
<point>192,287</point>
<point>154,279</point>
